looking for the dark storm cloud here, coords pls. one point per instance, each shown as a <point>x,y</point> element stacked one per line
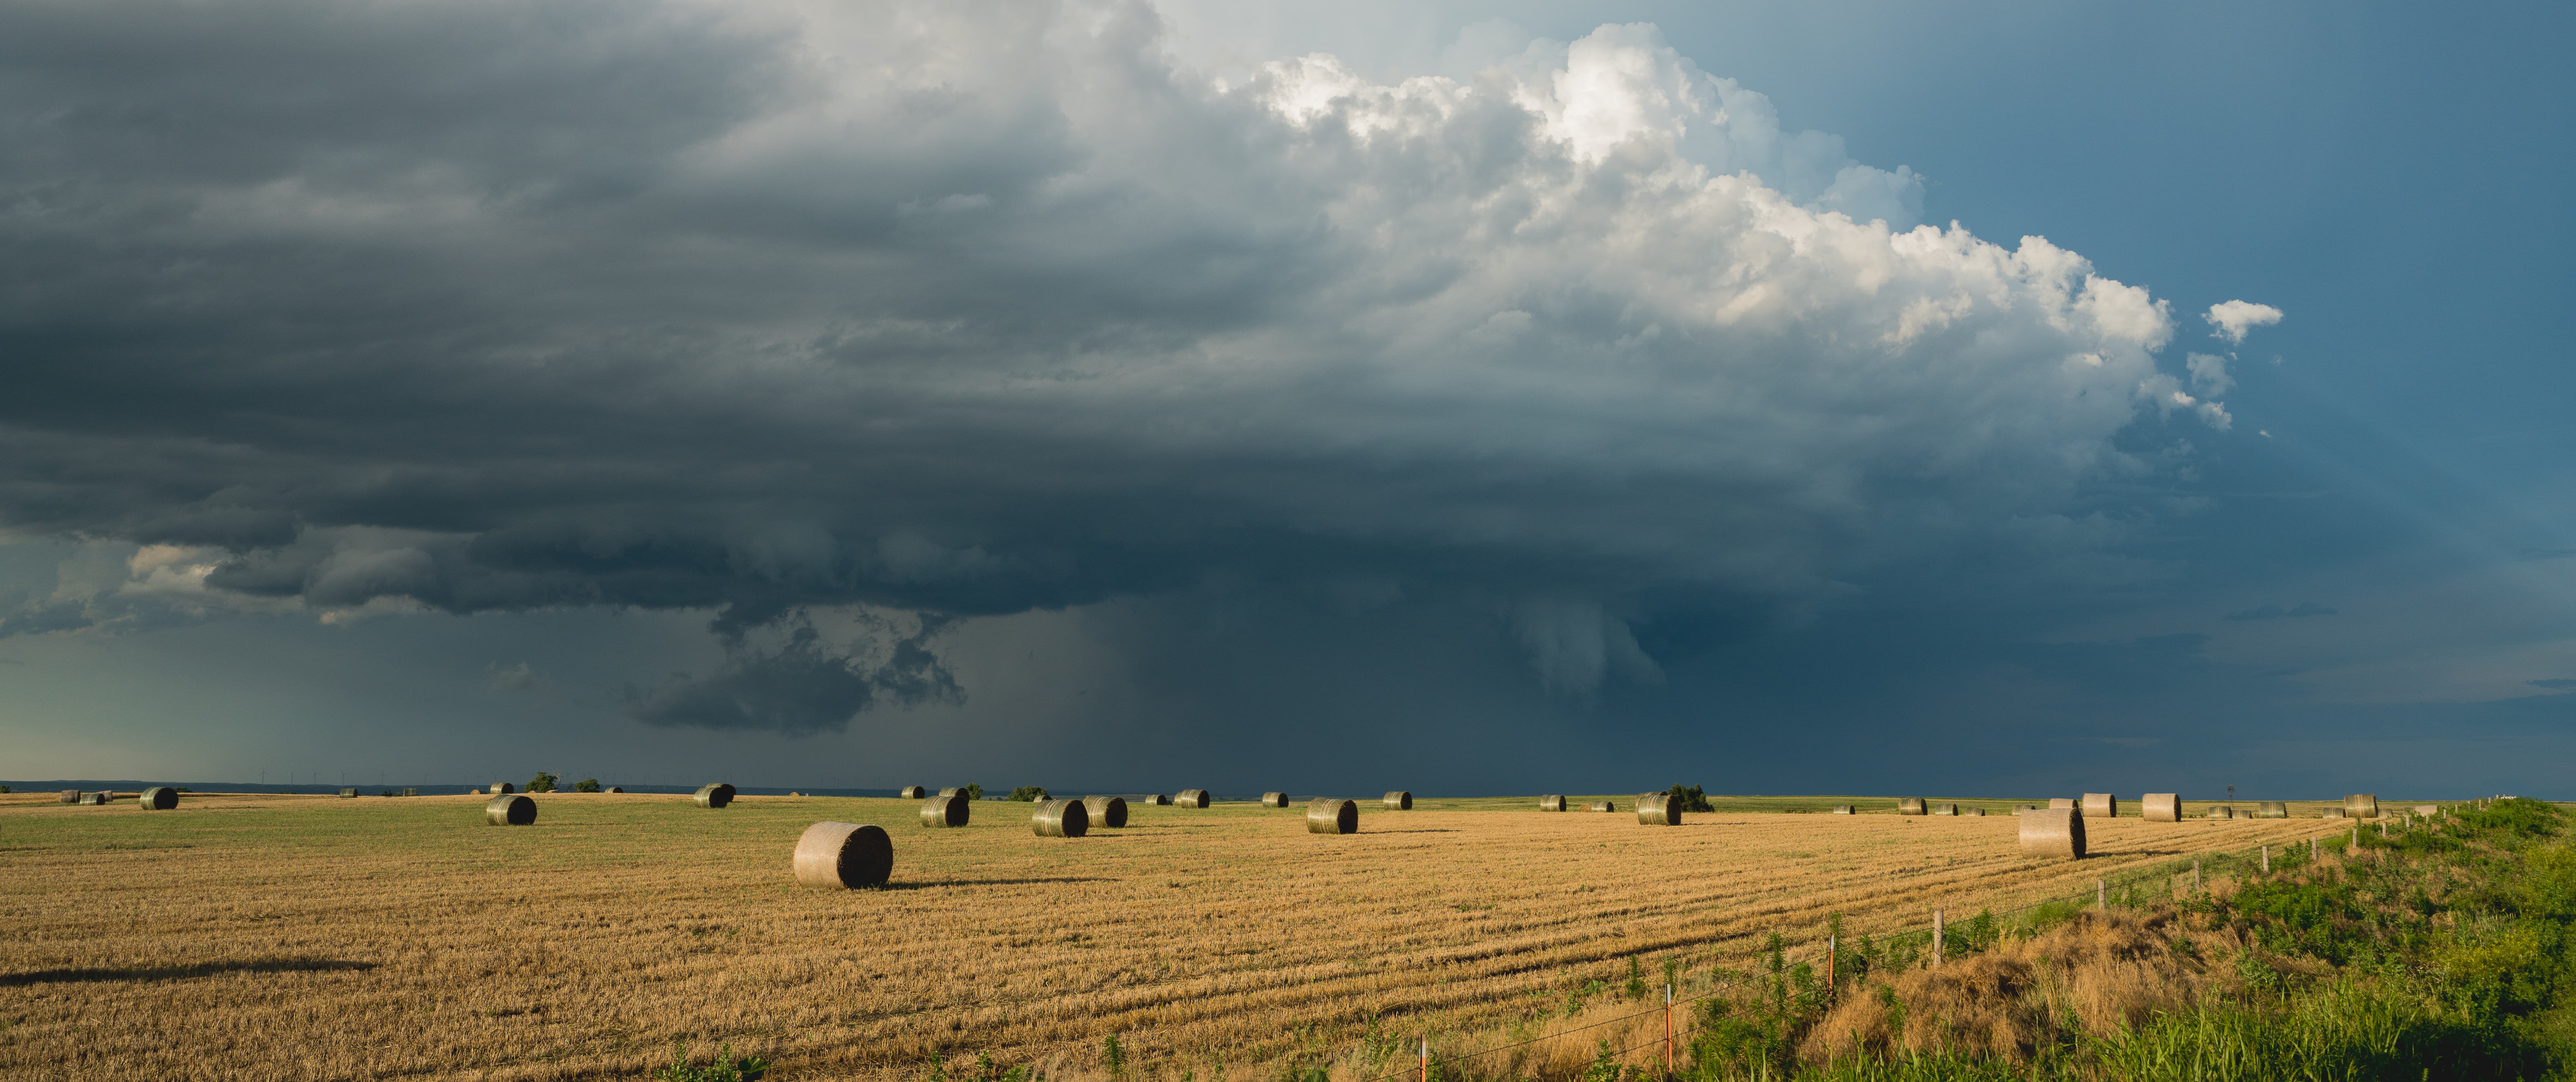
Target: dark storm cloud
<point>973,309</point>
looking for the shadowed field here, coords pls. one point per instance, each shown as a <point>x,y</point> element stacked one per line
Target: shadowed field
<point>315,937</point>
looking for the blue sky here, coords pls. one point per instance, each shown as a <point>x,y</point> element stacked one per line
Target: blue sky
<point>1085,398</point>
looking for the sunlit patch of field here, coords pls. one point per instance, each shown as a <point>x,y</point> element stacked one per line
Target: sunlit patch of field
<point>315,937</point>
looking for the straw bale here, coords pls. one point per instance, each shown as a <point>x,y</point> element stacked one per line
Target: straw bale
<point>843,855</point>
<point>944,811</point>
<point>951,791</point>
<point>716,795</point>
<point>160,798</point>
<point>1980,812</point>
<point>1332,815</point>
<point>1154,800</point>
<point>2272,809</point>
<point>1190,798</point>
<point>1398,800</point>
<point>1274,800</point>
<point>2160,808</point>
<point>617,788</point>
<point>1845,809</point>
<point>1944,809</point>
<point>2056,833</point>
<point>348,793</point>
<point>1912,805</point>
<point>1107,811</point>
<point>2056,802</point>
<point>1060,819</point>
<point>914,792</point>
<point>71,796</point>
<point>2331,813</point>
<point>1604,806</point>
<point>96,800</point>
<point>1551,802</point>
<point>500,787</point>
<point>2426,810</point>
<point>2020,808</point>
<point>2361,806</point>
<point>506,810</point>
<point>1658,810</point>
<point>2101,806</point>
<point>2222,812</point>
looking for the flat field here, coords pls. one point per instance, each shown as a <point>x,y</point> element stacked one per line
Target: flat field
<point>291,937</point>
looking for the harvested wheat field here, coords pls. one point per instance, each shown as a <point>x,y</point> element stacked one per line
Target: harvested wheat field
<point>314,937</point>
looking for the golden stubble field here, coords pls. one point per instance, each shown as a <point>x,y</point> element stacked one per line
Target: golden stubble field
<point>314,937</point>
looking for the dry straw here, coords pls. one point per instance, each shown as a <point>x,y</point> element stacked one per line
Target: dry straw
<point>1603,806</point>
<point>1945,809</point>
<point>2272,809</point>
<point>1845,809</point>
<point>2160,808</point>
<point>914,792</point>
<point>950,791</point>
<point>506,810</point>
<point>1060,819</point>
<point>1658,810</point>
<point>71,796</point>
<point>1551,802</point>
<point>1397,801</point>
<point>345,793</point>
<point>944,811</point>
<point>500,787</point>
<point>1106,811</point>
<point>2053,833</point>
<point>843,855</point>
<point>715,796</point>
<point>2426,810</point>
<point>617,788</point>
<point>2222,812</point>
<point>2361,806</point>
<point>1332,815</point>
<point>1979,812</point>
<point>160,798</point>
<point>1190,798</point>
<point>2101,806</point>
<point>1274,800</point>
<point>1154,800</point>
<point>1912,805</point>
<point>2057,802</point>
<point>2331,813</point>
<point>98,799</point>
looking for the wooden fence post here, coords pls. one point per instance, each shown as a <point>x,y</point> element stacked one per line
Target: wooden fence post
<point>2267,860</point>
<point>2101,894</point>
<point>2195,875</point>
<point>1936,939</point>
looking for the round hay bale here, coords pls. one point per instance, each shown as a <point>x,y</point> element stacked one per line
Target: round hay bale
<point>1274,800</point>
<point>2053,833</point>
<point>2426,810</point>
<point>617,788</point>
<point>2272,809</point>
<point>2361,806</point>
<point>499,788</point>
<point>1190,798</point>
<point>1603,806</point>
<point>2020,808</point>
<point>1155,800</point>
<point>1551,802</point>
<point>951,791</point>
<point>2160,808</point>
<point>95,800</point>
<point>2101,806</point>
<point>507,810</point>
<point>2222,812</point>
<point>2331,813</point>
<point>71,796</point>
<point>944,811</point>
<point>1332,815</point>
<point>1978,812</point>
<point>160,798</point>
<point>1060,819</point>
<point>2057,802</point>
<point>1945,809</point>
<point>844,855</point>
<point>1845,809</point>
<point>716,795</point>
<point>914,792</point>
<point>1107,811</point>
<point>1658,810</point>
<point>1912,805</point>
<point>1397,801</point>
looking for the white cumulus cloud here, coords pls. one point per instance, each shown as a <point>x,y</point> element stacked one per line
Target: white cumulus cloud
<point>2234,318</point>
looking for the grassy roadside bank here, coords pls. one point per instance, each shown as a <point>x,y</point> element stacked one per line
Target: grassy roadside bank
<point>2440,953</point>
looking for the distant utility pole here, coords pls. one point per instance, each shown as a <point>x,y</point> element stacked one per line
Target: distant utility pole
<point>2231,794</point>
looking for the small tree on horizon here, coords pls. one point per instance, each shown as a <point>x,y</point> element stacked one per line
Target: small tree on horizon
<point>542,783</point>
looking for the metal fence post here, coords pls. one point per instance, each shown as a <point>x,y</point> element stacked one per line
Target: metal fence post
<point>1425,1075</point>
<point>1668,1031</point>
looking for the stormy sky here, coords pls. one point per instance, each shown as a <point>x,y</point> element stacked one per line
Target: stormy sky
<point>1998,398</point>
